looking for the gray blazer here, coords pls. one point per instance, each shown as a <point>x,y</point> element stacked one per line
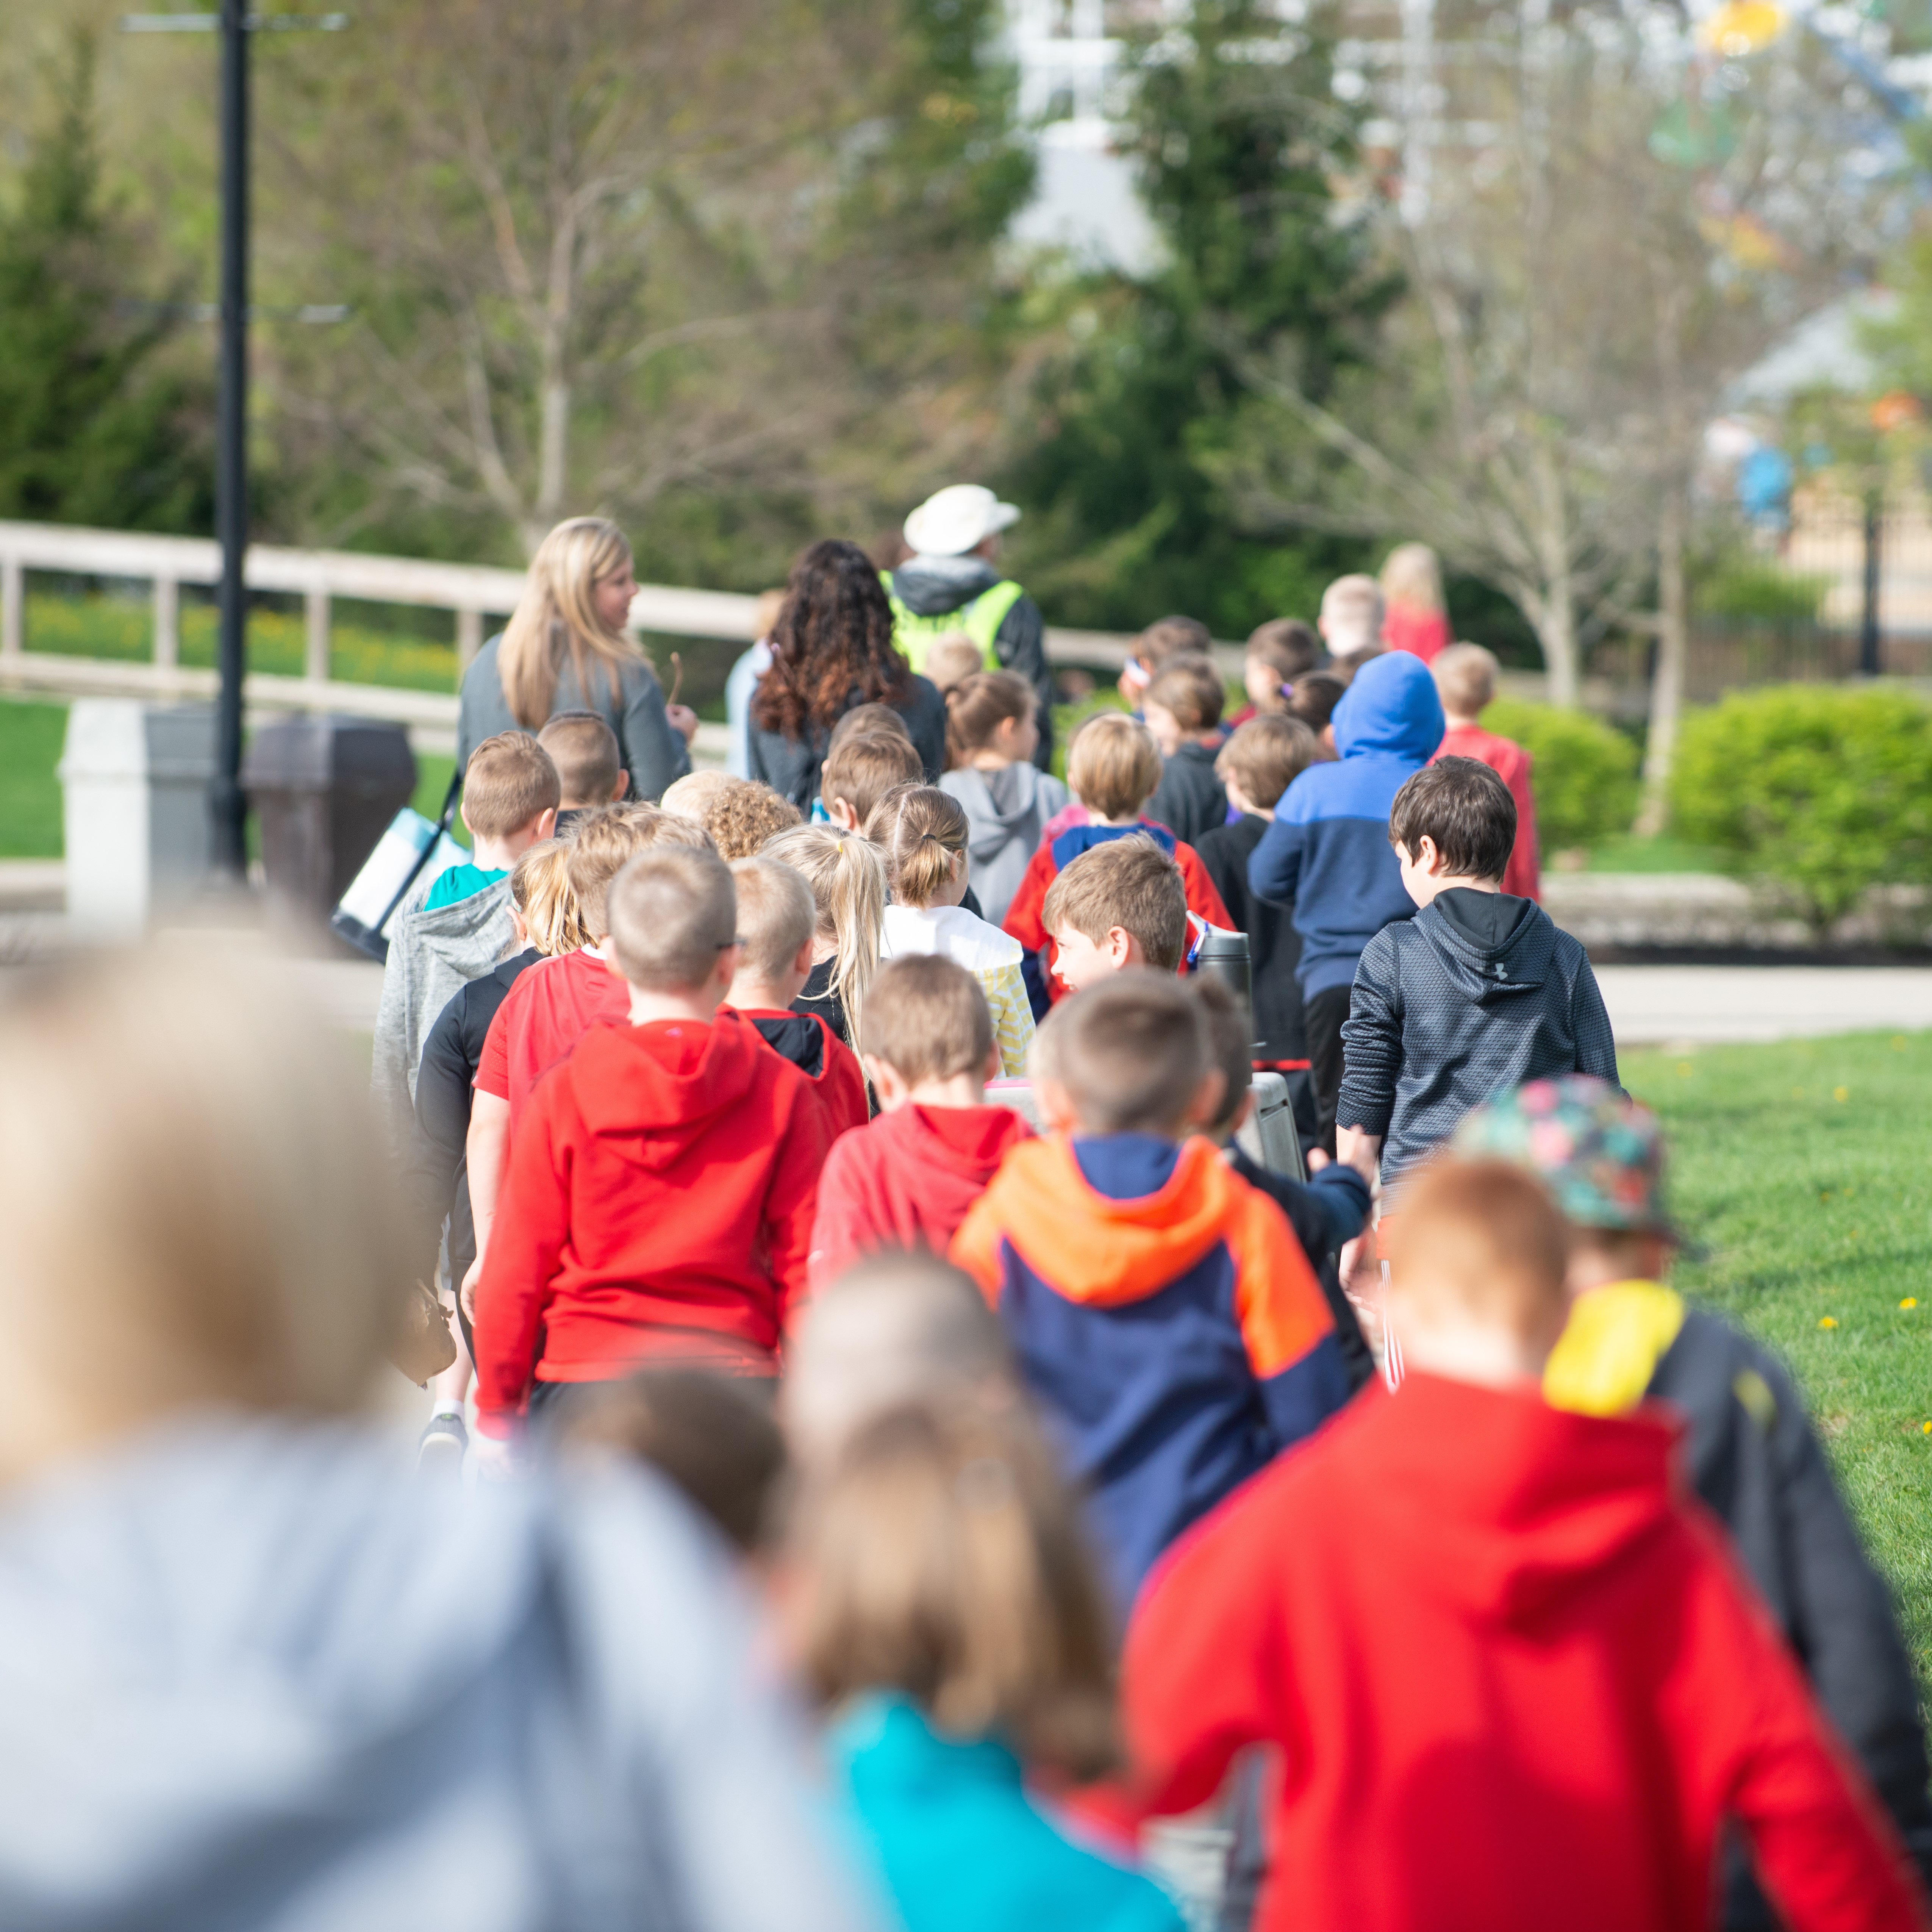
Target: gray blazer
<point>652,753</point>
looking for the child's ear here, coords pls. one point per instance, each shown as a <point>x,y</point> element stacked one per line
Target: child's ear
<point>1056,1107</point>
<point>1208,1097</point>
<point>623,786</point>
<point>841,814</point>
<point>463,813</point>
<point>802,963</point>
<point>546,825</point>
<point>995,1066</point>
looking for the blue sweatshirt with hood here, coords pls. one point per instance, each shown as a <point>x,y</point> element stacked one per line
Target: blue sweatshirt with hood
<point>1327,851</point>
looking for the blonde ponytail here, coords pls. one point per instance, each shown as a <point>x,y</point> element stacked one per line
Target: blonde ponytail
<point>557,617</point>
<point>540,885</point>
<point>921,830</point>
<point>847,876</point>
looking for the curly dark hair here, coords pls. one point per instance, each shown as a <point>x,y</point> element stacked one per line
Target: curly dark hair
<point>832,647</point>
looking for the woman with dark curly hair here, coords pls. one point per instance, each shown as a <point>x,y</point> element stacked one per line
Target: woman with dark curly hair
<point>832,649</point>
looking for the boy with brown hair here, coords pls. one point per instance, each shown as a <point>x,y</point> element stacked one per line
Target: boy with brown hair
<point>1165,638</point>
<point>907,1180</point>
<point>778,922</point>
<point>1465,677</point>
<point>1159,1308</point>
<point>659,1204</point>
<point>1121,904</point>
<point>589,764</point>
<point>511,792</point>
<point>860,771</point>
<point>1183,709</point>
<point>1505,1664</point>
<point>1113,768</point>
<point>1278,653</point>
<point>1475,994</point>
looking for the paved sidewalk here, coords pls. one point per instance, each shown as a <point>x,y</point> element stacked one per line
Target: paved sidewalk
<point>1653,1005</point>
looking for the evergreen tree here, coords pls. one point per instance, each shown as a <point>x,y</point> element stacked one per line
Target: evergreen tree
<point>94,428</point>
<point>1238,137</point>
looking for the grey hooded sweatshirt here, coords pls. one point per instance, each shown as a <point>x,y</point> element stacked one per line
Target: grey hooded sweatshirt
<point>1006,812</point>
<point>1478,993</point>
<point>255,1677</point>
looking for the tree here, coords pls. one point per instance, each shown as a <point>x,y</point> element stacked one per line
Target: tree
<point>99,427</point>
<point>1232,120</point>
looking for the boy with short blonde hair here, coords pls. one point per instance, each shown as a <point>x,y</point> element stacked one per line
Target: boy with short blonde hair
<point>1350,622</point>
<point>1502,1659</point>
<point>590,762</point>
<point>1113,767</point>
<point>907,1180</point>
<point>659,1203</point>
<point>511,791</point>
<point>1466,678</point>
<point>777,923</point>
<point>1161,1311</point>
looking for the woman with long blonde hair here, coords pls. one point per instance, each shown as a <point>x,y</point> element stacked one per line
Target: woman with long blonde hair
<point>566,649</point>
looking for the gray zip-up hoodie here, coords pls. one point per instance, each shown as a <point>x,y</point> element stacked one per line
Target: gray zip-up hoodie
<point>1478,993</point>
<point>255,1677</point>
<point>1006,812</point>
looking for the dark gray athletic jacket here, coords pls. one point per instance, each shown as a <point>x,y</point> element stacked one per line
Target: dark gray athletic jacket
<point>1475,994</point>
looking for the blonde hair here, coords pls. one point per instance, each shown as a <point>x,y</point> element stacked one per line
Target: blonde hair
<point>1484,1238</point>
<point>584,749</point>
<point>847,877</point>
<point>921,830</point>
<point>557,617</point>
<point>540,885</point>
<point>777,916</point>
<point>952,658</point>
<point>510,780</point>
<point>1351,608</point>
<point>692,796</point>
<point>1266,755</point>
<point>1113,765</point>
<point>224,1233</point>
<point>603,842</point>
<point>672,911</point>
<point>943,1557</point>
<point>1411,576</point>
<point>1466,678</point>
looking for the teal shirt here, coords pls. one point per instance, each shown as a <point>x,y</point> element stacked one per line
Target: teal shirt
<point>961,1847</point>
<point>460,882</point>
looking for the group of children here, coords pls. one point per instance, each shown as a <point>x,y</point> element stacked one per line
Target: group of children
<point>907,1125</point>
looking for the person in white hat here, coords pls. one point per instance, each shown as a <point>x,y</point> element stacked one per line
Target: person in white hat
<point>950,583</point>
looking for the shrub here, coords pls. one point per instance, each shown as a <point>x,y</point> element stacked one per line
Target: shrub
<point>1585,775</point>
<point>1823,791</point>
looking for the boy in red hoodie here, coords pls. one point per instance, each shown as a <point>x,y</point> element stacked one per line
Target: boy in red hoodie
<point>778,922</point>
<point>659,1200</point>
<point>1465,680</point>
<point>1513,1675</point>
<point>907,1180</point>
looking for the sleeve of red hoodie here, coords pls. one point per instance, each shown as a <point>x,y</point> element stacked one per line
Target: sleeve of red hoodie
<point>843,1224</point>
<point>791,1202</point>
<point>1023,921</point>
<point>526,1247</point>
<point>1202,899</point>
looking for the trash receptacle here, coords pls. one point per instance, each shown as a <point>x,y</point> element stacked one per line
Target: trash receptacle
<point>135,779</point>
<point>323,789</point>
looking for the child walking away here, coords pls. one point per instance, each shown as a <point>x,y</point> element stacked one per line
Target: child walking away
<point>1415,614</point>
<point>860,770</point>
<point>907,1180</point>
<point>1279,652</point>
<point>1165,638</point>
<point>848,878</point>
<point>1259,763</point>
<point>991,734</point>
<point>1751,1454</point>
<point>1313,700</point>
<point>1475,994</point>
<point>659,1204</point>
<point>1327,852</point>
<point>510,791</point>
<point>1113,767</point>
<point>946,1618</point>
<point>1162,1312</point>
<point>1182,708</point>
<point>1350,622</point>
<point>590,763</point>
<point>922,833</point>
<point>1466,678</point>
<point>743,817</point>
<point>1504,1664</point>
<point>778,922</point>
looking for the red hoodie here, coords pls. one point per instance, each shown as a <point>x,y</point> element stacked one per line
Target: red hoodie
<point>658,1202</point>
<point>1511,763</point>
<point>907,1180</point>
<point>542,1017</point>
<point>1515,1680</point>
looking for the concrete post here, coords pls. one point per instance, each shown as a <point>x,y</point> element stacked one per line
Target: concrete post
<point>469,639</point>
<point>315,619</point>
<point>13,608</point>
<point>167,622</point>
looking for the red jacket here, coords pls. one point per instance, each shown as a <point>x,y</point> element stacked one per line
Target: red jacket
<point>542,1017</point>
<point>1023,920</point>
<point>1511,763</point>
<point>659,1203</point>
<point>907,1180</point>
<point>1423,633</point>
<point>823,1057</point>
<point>1514,1678</point>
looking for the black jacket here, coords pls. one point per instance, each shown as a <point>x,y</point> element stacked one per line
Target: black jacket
<point>1190,801</point>
<point>437,1180</point>
<point>1274,945</point>
<point>791,766</point>
<point>1475,994</point>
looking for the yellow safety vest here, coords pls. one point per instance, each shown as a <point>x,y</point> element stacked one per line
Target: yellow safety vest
<point>980,620</point>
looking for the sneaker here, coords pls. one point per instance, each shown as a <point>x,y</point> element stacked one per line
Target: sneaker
<point>440,1452</point>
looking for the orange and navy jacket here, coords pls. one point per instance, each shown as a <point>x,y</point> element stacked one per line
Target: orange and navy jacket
<point>1165,1318</point>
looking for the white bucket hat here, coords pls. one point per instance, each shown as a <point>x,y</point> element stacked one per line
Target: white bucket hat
<point>957,519</point>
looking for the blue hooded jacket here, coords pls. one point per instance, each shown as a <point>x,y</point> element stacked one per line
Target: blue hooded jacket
<point>1327,851</point>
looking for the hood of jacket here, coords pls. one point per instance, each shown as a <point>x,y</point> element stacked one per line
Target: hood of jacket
<point>993,825</point>
<point>1100,1251</point>
<point>656,1088</point>
<point>1390,706</point>
<point>1481,963</point>
<point>929,586</point>
<point>1526,1517</point>
<point>468,937</point>
<point>968,1141</point>
<point>800,1038</point>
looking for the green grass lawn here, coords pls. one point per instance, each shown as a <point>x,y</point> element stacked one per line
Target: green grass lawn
<point>1801,1168</point>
